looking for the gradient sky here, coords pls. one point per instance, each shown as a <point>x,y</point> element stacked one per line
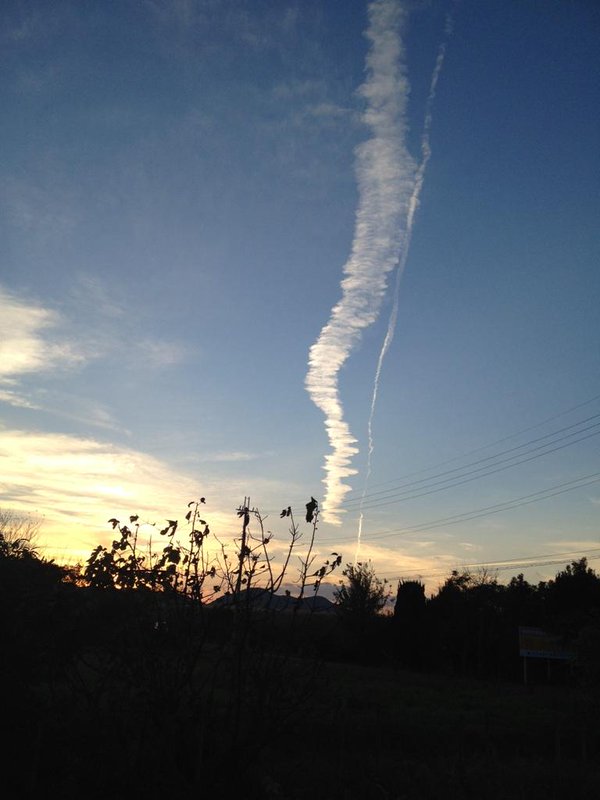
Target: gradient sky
<point>183,184</point>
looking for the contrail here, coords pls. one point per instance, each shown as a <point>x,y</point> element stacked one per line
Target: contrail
<point>412,210</point>
<point>386,175</point>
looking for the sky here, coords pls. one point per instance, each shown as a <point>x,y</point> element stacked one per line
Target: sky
<point>277,250</point>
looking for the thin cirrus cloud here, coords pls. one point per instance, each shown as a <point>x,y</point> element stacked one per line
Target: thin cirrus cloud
<point>81,482</point>
<point>29,340</point>
<point>232,456</point>
<point>114,331</point>
<point>385,173</point>
<point>156,353</point>
<point>17,400</point>
<point>38,339</point>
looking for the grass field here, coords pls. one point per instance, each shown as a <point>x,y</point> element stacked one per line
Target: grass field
<point>383,733</point>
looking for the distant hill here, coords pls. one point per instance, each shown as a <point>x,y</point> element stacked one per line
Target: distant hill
<point>264,600</point>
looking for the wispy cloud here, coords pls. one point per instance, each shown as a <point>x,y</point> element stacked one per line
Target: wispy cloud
<point>331,110</point>
<point>70,406</point>
<point>469,546</point>
<point>322,115</point>
<point>251,27</point>
<point>298,89</point>
<point>105,328</point>
<point>76,484</point>
<point>385,173</point>
<point>30,340</point>
<point>233,456</point>
<point>571,545</point>
<point>17,400</point>
<point>93,298</point>
<point>158,354</point>
<point>37,341</point>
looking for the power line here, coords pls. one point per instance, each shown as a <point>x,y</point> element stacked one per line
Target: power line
<point>403,497</point>
<point>517,502</point>
<point>348,503</point>
<point>506,438</point>
<point>393,490</point>
<point>524,563</point>
<point>508,505</point>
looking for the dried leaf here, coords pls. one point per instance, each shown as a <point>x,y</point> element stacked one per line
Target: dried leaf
<point>311,507</point>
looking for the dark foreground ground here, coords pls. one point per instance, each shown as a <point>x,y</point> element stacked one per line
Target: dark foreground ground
<point>129,695</point>
<point>100,702</point>
<point>383,733</point>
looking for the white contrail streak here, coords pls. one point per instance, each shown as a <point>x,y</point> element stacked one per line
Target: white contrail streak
<point>412,210</point>
<point>386,175</point>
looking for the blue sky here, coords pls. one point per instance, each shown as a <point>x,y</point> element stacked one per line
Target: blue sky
<point>183,185</point>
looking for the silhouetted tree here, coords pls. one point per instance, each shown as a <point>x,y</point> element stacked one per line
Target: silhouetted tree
<point>466,616</point>
<point>409,619</point>
<point>362,594</point>
<point>570,597</point>
<point>521,602</point>
<point>18,534</point>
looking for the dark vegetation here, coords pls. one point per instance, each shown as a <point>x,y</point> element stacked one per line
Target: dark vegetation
<point>122,679</point>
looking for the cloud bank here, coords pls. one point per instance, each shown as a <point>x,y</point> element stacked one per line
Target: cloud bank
<point>385,174</point>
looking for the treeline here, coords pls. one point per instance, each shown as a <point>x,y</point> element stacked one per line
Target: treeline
<point>471,625</point>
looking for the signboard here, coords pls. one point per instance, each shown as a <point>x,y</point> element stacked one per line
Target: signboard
<point>536,643</point>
